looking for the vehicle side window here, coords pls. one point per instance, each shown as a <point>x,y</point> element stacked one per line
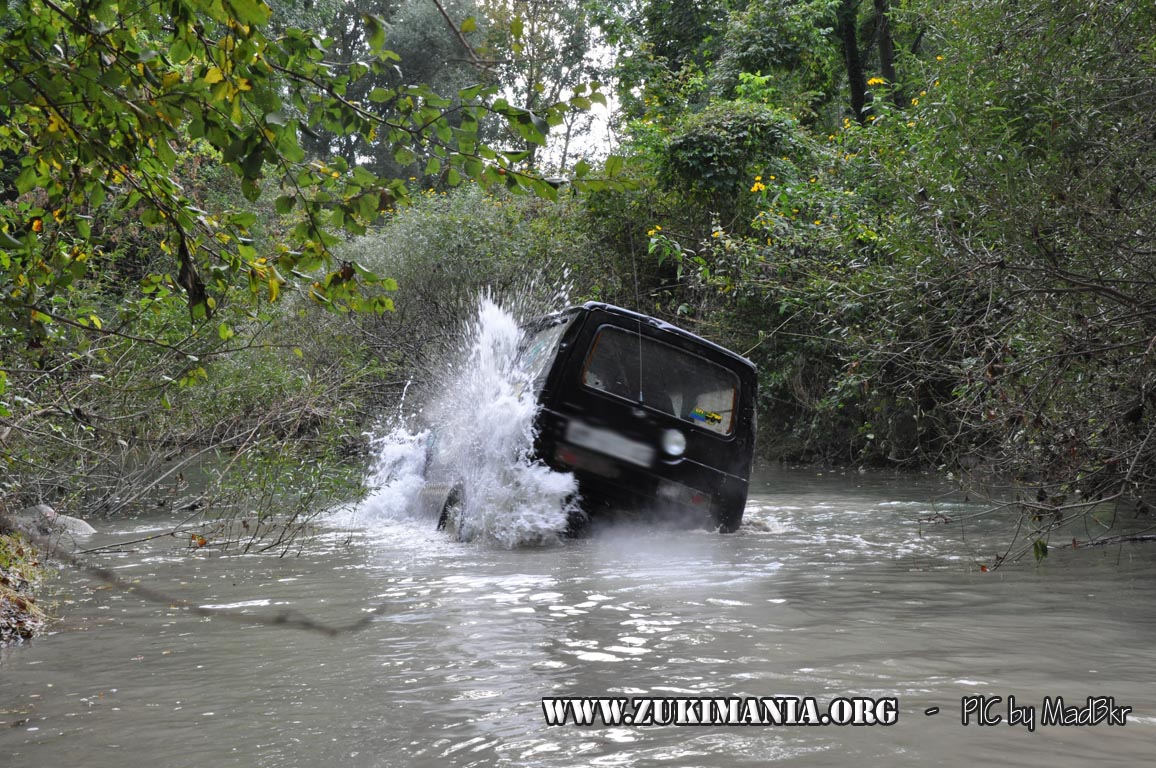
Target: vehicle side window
<point>662,377</point>
<point>538,354</point>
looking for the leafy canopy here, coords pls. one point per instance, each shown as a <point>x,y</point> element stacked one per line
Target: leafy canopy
<point>100,99</point>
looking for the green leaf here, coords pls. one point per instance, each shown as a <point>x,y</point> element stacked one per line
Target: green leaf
<point>542,126</point>
<point>404,156</point>
<point>284,204</point>
<point>545,189</point>
<point>375,31</point>
<point>363,176</point>
<point>251,12</point>
<point>179,51</point>
<point>367,205</point>
<point>27,180</point>
<point>244,219</point>
<point>1040,549</point>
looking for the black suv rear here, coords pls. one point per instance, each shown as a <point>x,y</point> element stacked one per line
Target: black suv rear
<point>648,416</point>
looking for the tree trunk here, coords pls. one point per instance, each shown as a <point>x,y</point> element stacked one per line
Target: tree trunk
<point>849,36</point>
<point>887,48</point>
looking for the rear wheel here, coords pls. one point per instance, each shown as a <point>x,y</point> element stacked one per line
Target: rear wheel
<point>577,518</point>
<point>729,516</point>
<point>452,508</point>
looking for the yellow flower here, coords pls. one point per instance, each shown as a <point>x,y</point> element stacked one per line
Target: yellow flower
<point>876,81</point>
<point>818,222</point>
<point>915,102</point>
<point>772,178</point>
<point>758,178</point>
<point>939,58</point>
<point>758,186</point>
<point>38,225</point>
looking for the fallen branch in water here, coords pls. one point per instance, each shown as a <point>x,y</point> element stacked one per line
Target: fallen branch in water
<point>1127,538</point>
<point>287,618</point>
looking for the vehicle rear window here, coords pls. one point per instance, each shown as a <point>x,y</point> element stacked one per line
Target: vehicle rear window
<point>661,377</point>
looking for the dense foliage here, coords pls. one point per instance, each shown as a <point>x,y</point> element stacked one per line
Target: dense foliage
<point>945,260</point>
<point>929,223</point>
<point>174,179</point>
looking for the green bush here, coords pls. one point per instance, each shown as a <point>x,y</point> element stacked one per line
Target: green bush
<point>446,249</point>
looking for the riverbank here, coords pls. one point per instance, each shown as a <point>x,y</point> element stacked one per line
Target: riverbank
<point>20,617</point>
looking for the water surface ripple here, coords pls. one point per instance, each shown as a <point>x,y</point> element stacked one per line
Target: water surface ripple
<point>836,585</point>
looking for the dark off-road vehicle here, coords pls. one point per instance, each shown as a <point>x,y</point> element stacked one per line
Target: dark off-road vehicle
<point>653,421</point>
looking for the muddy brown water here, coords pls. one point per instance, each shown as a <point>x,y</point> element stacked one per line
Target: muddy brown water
<point>836,586</point>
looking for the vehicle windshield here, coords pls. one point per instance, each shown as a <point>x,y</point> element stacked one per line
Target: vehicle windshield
<point>664,378</point>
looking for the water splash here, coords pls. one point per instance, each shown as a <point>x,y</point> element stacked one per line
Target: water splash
<point>397,475</point>
<point>478,435</point>
<point>484,425</point>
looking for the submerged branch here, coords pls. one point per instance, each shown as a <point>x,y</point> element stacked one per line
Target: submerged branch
<point>287,618</point>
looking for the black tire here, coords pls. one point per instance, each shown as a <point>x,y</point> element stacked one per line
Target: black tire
<point>454,503</point>
<point>730,515</point>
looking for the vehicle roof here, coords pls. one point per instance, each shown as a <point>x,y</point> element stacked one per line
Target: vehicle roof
<point>661,325</point>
